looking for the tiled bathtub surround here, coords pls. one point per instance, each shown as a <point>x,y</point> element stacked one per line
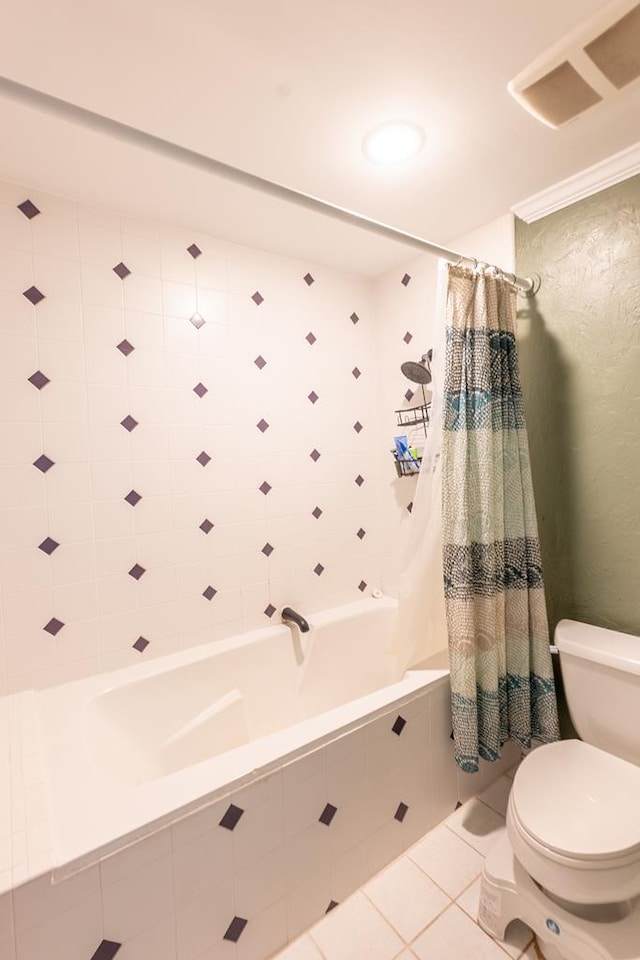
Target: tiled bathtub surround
<point>185,445</point>
<point>247,874</point>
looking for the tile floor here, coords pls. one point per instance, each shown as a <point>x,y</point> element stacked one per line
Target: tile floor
<point>423,906</point>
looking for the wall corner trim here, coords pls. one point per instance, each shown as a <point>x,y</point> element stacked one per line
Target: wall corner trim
<point>598,177</point>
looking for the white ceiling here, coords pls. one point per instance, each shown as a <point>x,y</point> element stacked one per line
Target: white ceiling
<point>286,89</point>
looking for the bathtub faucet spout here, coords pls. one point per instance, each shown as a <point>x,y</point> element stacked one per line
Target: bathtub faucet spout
<point>291,616</point>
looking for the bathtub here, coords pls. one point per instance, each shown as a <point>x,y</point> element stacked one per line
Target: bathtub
<point>133,750</point>
<point>245,785</point>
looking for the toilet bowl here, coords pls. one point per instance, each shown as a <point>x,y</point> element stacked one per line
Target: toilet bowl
<point>569,865</point>
<point>573,821</point>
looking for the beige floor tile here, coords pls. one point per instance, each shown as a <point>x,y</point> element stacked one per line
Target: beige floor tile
<point>453,936</point>
<point>478,825</point>
<point>447,859</point>
<point>531,953</point>
<point>356,929</point>
<point>302,949</point>
<point>406,897</point>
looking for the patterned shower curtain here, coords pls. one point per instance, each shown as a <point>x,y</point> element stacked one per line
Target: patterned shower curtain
<point>502,684</point>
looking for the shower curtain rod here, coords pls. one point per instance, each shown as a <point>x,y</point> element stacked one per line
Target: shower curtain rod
<point>148,141</point>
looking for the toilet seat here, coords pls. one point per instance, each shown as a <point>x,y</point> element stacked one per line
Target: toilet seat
<point>573,822</point>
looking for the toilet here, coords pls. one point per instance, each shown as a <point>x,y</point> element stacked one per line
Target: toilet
<point>569,865</point>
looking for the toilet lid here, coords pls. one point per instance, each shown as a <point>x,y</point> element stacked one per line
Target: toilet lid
<point>579,801</point>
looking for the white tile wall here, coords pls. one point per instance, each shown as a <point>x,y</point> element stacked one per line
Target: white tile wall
<point>406,315</point>
<point>305,333</point>
<point>173,895</point>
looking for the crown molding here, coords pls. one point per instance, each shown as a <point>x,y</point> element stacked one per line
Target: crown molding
<point>601,175</point>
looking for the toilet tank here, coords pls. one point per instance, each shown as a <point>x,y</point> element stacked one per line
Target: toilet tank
<point>601,674</point>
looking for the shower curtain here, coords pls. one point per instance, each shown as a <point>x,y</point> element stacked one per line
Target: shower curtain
<point>501,674</point>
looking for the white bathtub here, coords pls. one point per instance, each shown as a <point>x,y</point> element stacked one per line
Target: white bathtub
<point>134,750</point>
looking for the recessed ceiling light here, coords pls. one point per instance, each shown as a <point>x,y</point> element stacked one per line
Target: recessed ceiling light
<point>393,142</point>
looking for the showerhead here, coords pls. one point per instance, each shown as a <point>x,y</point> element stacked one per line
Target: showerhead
<point>418,371</point>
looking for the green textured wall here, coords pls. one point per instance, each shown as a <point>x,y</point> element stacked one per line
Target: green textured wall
<point>580,363</point>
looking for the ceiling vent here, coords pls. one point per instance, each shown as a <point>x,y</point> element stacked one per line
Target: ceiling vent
<point>588,66</point>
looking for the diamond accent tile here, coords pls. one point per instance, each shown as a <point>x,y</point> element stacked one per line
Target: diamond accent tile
<point>268,549</point>
<point>316,512</point>
<point>33,295</point>
<point>43,463</point>
<point>332,905</point>
<point>232,815</point>
<point>313,396</point>
<point>408,337</point>
<point>48,546</point>
<point>54,626</point>
<point>206,526</point>
<point>235,929</point>
<point>318,569</point>
<point>121,270</point>
<point>203,458</point>
<point>410,507</point>
<point>133,497</point>
<point>362,586</point>
<point>260,362</point>
<point>409,396</point>
<point>200,390</point>
<point>209,593</point>
<point>310,338</point>
<point>359,480</point>
<point>315,455</point>
<point>141,644</point>
<point>361,533</point>
<point>107,950</point>
<point>399,725</point>
<point>356,373</point>
<point>308,279</point>
<point>197,320</point>
<point>38,379</point>
<point>264,487</point>
<point>29,209</point>
<point>406,280</point>
<point>328,814</point>
<point>354,318</point>
<point>262,425</point>
<point>269,610</point>
<point>125,347</point>
<point>137,571</point>
<point>129,423</point>
<point>194,250</point>
<point>401,812</point>
<point>257,298</point>
<point>357,426</point>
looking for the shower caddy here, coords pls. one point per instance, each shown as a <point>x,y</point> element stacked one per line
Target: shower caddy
<point>414,420</point>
